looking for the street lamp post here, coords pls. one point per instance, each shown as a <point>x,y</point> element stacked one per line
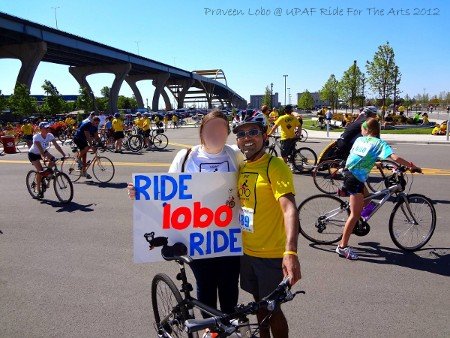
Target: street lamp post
<point>271,95</point>
<point>56,20</point>
<point>289,95</point>
<point>285,76</point>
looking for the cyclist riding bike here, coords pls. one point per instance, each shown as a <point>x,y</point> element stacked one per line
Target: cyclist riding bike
<point>84,138</point>
<point>288,124</point>
<point>39,151</point>
<point>345,142</point>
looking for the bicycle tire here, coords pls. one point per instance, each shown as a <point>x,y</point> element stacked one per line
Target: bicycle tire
<point>312,211</point>
<point>71,168</point>
<point>326,176</point>
<point>165,296</point>
<point>31,184</point>
<point>103,169</point>
<point>63,184</point>
<point>378,176</point>
<point>160,141</point>
<point>304,159</point>
<point>405,229</point>
<point>304,135</point>
<point>135,143</point>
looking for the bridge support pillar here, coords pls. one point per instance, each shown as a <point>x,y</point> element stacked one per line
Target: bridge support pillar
<point>30,54</point>
<point>120,71</point>
<point>159,81</point>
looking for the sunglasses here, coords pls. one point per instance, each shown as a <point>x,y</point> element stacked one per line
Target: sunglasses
<point>250,133</point>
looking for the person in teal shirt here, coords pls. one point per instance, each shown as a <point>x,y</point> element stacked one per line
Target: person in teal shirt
<point>366,150</point>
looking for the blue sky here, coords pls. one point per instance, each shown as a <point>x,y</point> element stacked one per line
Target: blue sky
<point>253,50</point>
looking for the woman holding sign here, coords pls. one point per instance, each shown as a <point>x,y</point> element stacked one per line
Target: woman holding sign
<point>220,275</point>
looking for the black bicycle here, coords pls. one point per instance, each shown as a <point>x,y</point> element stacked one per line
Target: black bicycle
<point>303,159</point>
<point>174,312</point>
<point>62,184</point>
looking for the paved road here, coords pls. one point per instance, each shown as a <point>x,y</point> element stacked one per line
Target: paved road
<point>67,271</point>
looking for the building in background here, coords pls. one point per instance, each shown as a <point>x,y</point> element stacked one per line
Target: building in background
<point>318,103</point>
<point>256,101</point>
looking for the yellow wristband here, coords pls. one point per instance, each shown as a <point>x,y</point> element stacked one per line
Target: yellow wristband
<point>290,253</point>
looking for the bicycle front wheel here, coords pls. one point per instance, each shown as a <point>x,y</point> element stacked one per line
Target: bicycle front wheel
<point>31,184</point>
<point>304,135</point>
<point>412,227</point>
<point>327,176</point>
<point>103,169</point>
<point>160,141</point>
<point>304,159</point>
<point>379,175</point>
<point>165,297</point>
<point>135,143</point>
<point>63,187</point>
<point>322,218</point>
<point>71,168</point>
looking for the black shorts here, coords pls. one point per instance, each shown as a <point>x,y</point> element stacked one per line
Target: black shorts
<point>33,157</point>
<point>351,184</point>
<point>260,276</point>
<point>81,144</point>
<point>118,135</point>
<point>287,146</point>
<point>146,133</point>
<point>28,137</point>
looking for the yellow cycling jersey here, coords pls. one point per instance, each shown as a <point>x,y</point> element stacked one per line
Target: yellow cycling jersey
<point>288,123</point>
<point>117,124</point>
<point>27,129</point>
<point>260,185</point>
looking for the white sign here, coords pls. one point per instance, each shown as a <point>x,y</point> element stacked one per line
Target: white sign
<point>200,210</point>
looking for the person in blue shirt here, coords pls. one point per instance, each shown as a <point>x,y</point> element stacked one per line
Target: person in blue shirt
<point>84,138</point>
<point>366,150</point>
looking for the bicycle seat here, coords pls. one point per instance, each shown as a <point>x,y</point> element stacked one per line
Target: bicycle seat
<point>176,252</point>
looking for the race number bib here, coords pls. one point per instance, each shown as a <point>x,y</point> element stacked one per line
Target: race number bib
<point>246,219</point>
<point>362,149</point>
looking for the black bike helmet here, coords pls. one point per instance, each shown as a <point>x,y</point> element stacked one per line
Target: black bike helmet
<point>257,118</point>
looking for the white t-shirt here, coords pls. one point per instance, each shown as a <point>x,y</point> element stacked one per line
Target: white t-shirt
<point>45,143</point>
<point>102,122</point>
<point>228,160</point>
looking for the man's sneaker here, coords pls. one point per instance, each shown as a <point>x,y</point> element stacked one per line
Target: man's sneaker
<point>347,252</point>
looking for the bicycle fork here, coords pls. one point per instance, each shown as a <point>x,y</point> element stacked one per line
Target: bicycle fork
<point>406,209</point>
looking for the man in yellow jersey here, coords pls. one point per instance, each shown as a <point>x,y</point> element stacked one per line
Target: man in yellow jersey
<point>138,121</point>
<point>27,132</point>
<point>146,126</point>
<point>268,218</point>
<point>288,124</point>
<point>117,125</point>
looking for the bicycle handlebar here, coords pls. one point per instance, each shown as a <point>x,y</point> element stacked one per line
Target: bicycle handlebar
<point>224,323</point>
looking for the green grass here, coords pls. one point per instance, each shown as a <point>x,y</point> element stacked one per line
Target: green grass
<point>311,125</point>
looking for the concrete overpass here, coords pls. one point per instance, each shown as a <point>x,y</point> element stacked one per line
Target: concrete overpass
<point>33,43</point>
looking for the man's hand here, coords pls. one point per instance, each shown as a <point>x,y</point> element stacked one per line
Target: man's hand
<point>291,267</point>
<point>131,191</point>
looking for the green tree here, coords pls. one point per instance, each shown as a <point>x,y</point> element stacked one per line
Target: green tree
<point>105,91</point>
<point>3,102</point>
<point>384,76</point>
<point>84,100</point>
<point>350,85</point>
<point>267,99</point>
<point>330,91</point>
<point>306,101</point>
<point>53,103</point>
<point>21,103</point>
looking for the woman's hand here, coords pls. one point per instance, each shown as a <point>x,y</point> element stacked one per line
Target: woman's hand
<point>131,191</point>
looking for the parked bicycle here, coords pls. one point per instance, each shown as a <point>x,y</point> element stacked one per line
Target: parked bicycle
<point>174,311</point>
<point>61,183</point>
<point>303,159</point>
<point>411,224</point>
<point>102,167</point>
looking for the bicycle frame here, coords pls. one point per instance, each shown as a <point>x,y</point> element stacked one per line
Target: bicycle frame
<point>385,194</point>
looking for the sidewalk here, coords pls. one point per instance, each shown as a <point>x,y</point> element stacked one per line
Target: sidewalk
<point>396,138</point>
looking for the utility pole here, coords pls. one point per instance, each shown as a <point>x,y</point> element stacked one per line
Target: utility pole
<point>56,20</point>
<point>285,76</point>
